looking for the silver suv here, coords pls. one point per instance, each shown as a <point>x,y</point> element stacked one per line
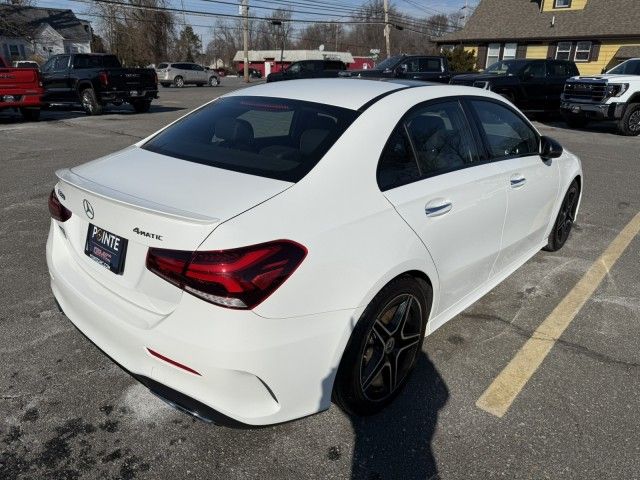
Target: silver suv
<point>183,73</point>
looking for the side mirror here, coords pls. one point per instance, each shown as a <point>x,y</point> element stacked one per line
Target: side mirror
<point>550,148</point>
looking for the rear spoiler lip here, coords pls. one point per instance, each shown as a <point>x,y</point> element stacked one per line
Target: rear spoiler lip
<point>67,176</point>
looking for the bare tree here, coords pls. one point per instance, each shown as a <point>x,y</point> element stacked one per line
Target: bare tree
<point>138,36</point>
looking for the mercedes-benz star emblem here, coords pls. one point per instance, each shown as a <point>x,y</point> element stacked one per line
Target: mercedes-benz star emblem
<point>88,209</point>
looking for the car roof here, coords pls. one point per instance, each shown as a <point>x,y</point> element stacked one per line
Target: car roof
<point>351,93</point>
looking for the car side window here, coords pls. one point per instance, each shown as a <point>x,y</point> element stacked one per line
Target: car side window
<point>61,63</point>
<point>430,65</point>
<point>198,68</point>
<point>86,61</point>
<point>397,165</point>
<point>534,70</point>
<point>441,138</point>
<point>559,69</point>
<point>506,133</point>
<point>48,66</point>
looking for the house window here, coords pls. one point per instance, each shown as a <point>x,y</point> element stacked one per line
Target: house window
<point>493,53</point>
<point>510,50</point>
<point>14,52</point>
<point>562,3</point>
<point>563,52</point>
<point>583,52</point>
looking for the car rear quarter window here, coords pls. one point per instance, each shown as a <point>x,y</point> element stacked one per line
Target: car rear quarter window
<point>110,61</point>
<point>86,61</point>
<point>270,137</point>
<point>397,165</point>
<point>506,133</point>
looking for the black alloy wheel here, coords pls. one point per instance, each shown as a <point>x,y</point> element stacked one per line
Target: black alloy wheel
<point>564,222</point>
<point>391,347</point>
<point>383,347</point>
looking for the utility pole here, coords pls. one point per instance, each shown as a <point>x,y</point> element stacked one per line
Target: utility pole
<point>245,38</point>
<point>387,28</point>
<point>466,12</point>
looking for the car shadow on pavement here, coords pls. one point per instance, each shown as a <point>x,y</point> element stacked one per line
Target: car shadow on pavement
<point>396,443</point>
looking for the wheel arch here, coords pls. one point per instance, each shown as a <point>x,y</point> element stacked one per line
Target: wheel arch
<point>635,98</point>
<point>83,85</point>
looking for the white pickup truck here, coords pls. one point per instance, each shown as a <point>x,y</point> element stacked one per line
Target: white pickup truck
<point>614,95</point>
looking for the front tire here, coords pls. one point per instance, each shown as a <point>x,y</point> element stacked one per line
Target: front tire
<point>383,347</point>
<point>90,102</point>
<point>178,82</point>
<point>214,82</point>
<point>629,124</point>
<point>564,222</point>
<point>30,114</point>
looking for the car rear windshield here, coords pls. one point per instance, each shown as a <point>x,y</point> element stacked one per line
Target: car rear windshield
<point>270,137</point>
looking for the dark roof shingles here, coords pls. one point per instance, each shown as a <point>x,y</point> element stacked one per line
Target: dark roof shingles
<point>522,19</point>
<point>16,20</point>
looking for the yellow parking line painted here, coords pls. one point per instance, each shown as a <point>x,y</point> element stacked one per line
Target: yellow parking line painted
<point>507,385</point>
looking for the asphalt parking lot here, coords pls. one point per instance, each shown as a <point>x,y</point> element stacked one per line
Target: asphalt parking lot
<point>67,412</point>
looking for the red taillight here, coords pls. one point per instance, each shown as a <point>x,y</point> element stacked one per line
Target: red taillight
<point>104,79</point>
<point>57,210</point>
<point>237,278</point>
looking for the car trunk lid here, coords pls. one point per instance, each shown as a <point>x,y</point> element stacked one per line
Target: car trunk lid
<point>150,200</point>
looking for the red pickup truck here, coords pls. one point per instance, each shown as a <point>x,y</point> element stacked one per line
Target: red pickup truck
<point>21,89</point>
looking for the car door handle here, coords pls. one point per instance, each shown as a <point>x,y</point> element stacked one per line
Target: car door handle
<point>517,181</point>
<point>438,207</point>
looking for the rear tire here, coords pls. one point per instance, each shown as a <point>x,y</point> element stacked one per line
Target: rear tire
<point>178,82</point>
<point>389,334</point>
<point>90,102</point>
<point>564,221</point>
<point>141,106</point>
<point>575,120</point>
<point>30,114</point>
<point>629,124</point>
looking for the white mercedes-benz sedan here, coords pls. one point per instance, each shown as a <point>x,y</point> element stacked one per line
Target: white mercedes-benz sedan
<point>292,243</point>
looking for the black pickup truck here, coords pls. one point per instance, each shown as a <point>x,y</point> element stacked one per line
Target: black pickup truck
<point>412,67</point>
<point>534,86</point>
<point>95,80</point>
<point>308,69</point>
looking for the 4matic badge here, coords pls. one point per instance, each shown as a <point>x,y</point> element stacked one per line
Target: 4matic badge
<point>155,236</point>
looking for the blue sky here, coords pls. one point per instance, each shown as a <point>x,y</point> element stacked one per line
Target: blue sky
<point>201,24</point>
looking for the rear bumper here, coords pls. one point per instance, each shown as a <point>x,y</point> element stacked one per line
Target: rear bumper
<point>126,95</point>
<point>20,99</point>
<point>250,370</point>
<point>596,111</point>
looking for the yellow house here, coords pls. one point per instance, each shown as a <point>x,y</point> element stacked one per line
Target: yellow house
<point>596,34</point>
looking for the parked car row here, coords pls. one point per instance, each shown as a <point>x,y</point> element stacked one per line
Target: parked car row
<point>534,85</point>
<point>556,85</point>
<point>90,80</point>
